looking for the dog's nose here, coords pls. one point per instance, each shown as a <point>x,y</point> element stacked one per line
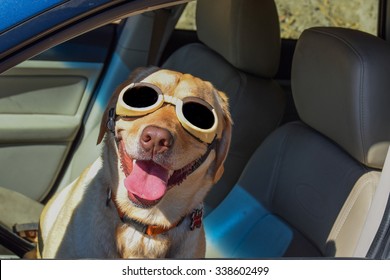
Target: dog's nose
<point>156,140</point>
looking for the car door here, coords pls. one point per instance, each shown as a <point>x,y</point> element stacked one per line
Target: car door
<point>47,101</point>
<point>42,104</point>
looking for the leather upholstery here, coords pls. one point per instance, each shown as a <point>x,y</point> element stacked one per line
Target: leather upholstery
<point>256,103</point>
<point>347,228</point>
<point>245,32</point>
<point>304,178</point>
<point>315,174</point>
<point>341,88</point>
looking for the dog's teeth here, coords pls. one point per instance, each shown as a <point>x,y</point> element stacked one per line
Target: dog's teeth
<point>134,160</point>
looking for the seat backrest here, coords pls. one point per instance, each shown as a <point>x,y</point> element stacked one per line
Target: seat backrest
<point>318,176</point>
<point>346,98</point>
<point>239,54</point>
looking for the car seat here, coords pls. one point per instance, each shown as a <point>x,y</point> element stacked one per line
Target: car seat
<point>239,55</point>
<point>308,187</point>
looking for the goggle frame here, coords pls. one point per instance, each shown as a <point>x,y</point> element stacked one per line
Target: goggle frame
<point>204,135</point>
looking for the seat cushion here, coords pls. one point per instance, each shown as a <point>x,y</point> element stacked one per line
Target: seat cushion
<point>302,177</point>
<point>240,227</point>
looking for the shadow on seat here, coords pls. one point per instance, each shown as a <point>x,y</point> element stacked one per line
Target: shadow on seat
<point>307,189</point>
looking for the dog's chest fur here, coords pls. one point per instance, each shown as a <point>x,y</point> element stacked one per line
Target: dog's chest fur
<point>133,244</point>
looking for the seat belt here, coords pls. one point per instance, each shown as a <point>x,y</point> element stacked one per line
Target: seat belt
<point>376,211</point>
<point>161,19</point>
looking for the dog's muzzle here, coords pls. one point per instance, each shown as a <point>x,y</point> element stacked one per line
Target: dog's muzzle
<point>147,182</point>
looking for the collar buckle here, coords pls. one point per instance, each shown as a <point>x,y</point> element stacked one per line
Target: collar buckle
<point>111,120</point>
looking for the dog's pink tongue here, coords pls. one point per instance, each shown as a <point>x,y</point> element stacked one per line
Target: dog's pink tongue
<point>147,180</point>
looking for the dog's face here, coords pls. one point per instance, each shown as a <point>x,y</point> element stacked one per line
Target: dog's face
<point>165,163</point>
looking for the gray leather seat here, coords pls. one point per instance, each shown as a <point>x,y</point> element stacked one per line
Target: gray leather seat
<point>307,189</point>
<point>240,56</point>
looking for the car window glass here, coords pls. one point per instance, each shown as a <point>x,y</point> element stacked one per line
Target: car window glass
<point>298,15</point>
<point>187,19</point>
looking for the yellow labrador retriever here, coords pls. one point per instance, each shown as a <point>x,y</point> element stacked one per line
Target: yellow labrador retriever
<point>166,138</point>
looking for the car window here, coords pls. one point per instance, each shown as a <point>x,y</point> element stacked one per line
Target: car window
<point>187,19</point>
<point>298,15</point>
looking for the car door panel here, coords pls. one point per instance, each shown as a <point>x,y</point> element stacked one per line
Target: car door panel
<point>41,95</point>
<point>42,104</point>
<point>31,169</point>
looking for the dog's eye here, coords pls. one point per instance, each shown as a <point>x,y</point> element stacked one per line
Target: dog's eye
<point>198,115</point>
<point>140,97</point>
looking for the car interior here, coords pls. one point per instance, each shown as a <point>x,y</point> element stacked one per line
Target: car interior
<point>310,134</point>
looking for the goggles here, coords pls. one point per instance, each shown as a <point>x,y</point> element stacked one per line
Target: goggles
<point>195,115</point>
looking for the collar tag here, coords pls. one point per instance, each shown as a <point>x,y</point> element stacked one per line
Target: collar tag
<point>196,219</point>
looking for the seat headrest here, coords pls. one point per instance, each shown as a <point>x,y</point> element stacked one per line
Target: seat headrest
<point>245,32</point>
<point>341,87</point>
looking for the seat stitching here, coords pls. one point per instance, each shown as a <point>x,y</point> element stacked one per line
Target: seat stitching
<point>276,168</point>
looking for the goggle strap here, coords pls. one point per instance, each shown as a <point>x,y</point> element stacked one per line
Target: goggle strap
<point>200,160</point>
<point>111,120</point>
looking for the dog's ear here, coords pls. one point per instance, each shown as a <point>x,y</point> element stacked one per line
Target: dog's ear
<point>223,143</point>
<point>136,76</point>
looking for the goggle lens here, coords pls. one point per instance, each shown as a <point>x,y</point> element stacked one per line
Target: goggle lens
<point>198,115</point>
<point>140,97</point>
